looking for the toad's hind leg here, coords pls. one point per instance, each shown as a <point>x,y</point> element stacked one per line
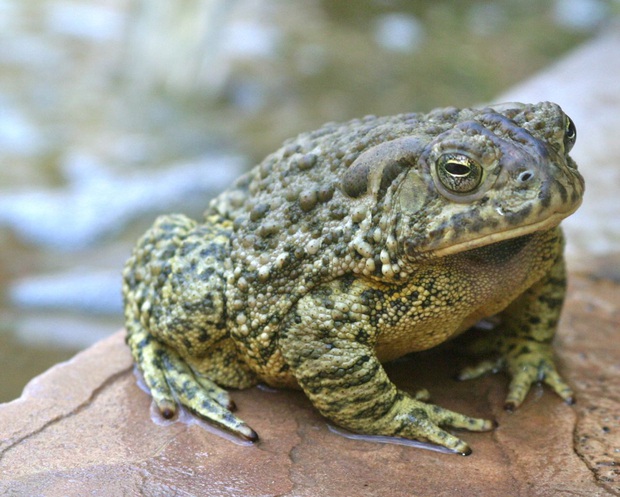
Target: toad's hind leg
<point>175,316</point>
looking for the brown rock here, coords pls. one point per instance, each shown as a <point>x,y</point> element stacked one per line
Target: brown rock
<point>85,428</point>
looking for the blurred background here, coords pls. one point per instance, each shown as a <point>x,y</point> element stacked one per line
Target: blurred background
<point>115,111</point>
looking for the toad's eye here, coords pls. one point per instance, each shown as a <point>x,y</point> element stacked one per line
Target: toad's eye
<point>458,173</point>
<point>570,134</point>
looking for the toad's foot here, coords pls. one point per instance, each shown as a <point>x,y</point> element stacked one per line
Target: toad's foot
<point>171,382</point>
<point>527,362</point>
<point>413,419</point>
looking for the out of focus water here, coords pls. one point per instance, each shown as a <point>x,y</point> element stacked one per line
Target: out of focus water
<point>113,111</point>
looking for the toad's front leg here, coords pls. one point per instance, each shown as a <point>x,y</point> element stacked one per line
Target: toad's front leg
<point>524,348</point>
<point>328,342</point>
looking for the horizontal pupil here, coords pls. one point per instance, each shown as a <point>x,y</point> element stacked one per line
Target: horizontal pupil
<point>457,169</point>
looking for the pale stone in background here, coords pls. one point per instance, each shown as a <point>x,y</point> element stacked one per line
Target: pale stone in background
<point>587,86</point>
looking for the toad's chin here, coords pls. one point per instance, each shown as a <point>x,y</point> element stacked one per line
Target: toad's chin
<point>488,239</point>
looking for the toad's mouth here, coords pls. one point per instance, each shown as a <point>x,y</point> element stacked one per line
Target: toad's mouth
<point>491,238</point>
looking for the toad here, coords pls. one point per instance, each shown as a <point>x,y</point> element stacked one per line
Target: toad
<point>354,245</point>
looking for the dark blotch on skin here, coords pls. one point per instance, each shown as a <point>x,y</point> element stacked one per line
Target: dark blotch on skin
<point>500,252</point>
<point>355,180</point>
<point>390,173</point>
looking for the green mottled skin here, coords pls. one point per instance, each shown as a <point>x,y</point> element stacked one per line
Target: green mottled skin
<point>356,244</point>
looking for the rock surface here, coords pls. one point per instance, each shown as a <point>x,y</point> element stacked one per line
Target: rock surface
<point>85,427</point>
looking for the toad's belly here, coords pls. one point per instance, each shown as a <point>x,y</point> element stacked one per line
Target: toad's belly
<point>422,334</point>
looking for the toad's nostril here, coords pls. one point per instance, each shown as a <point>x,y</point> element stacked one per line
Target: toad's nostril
<point>525,176</point>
